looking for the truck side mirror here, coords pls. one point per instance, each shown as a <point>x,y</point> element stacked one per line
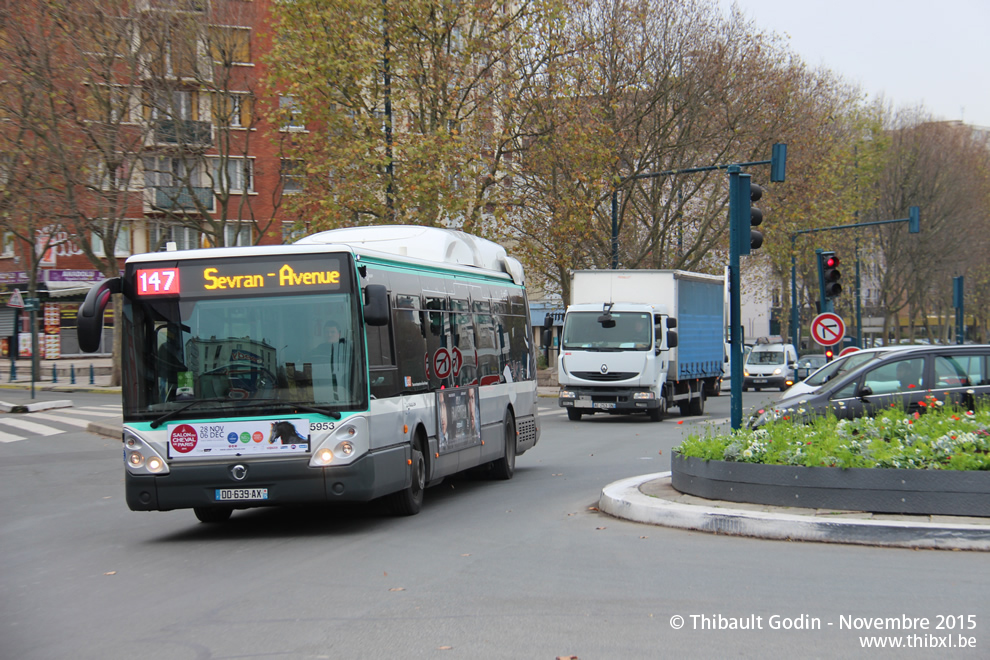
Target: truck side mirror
<point>671,323</point>
<point>547,322</point>
<point>671,339</point>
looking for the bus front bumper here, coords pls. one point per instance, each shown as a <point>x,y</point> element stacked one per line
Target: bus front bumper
<point>269,483</point>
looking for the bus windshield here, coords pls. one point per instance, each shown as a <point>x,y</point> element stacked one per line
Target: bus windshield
<point>632,331</point>
<point>242,356</point>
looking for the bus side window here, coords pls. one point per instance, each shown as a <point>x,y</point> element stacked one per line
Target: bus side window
<point>381,363</point>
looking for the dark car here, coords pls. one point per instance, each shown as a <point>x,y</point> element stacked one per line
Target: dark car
<point>900,379</point>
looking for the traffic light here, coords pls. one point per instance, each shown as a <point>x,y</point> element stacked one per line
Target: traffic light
<point>755,217</point>
<point>829,269</point>
<point>743,215</point>
<point>828,354</point>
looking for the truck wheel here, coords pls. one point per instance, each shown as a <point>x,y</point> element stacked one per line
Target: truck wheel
<point>409,500</point>
<point>657,414</point>
<point>717,390</point>
<point>574,414</point>
<point>505,467</point>
<point>698,405</point>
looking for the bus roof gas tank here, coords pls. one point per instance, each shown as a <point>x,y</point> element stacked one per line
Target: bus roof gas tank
<point>430,243</point>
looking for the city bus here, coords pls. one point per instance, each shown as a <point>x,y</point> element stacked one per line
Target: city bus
<point>354,364</point>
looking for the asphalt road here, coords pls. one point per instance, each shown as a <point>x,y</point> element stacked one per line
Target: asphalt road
<point>518,569</point>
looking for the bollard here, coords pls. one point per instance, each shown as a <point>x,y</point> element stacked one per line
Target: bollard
<point>72,374</point>
<point>54,374</point>
<point>91,380</point>
<point>13,371</point>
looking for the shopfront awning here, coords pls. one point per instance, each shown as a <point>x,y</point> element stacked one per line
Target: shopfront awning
<point>68,289</point>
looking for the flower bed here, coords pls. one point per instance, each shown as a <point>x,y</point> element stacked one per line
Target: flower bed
<point>944,438</point>
<point>936,463</point>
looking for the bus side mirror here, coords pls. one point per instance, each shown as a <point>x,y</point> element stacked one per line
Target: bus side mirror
<point>376,304</point>
<point>89,322</point>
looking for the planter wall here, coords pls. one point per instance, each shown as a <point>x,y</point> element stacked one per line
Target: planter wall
<point>877,490</point>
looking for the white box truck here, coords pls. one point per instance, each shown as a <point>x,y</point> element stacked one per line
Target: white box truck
<point>641,341</point>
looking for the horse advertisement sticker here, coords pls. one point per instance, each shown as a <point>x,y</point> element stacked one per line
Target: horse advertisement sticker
<point>263,437</point>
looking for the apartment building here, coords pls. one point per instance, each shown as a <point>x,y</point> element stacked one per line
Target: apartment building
<point>178,146</point>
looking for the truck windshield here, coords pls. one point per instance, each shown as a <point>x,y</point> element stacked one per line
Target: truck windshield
<point>632,331</point>
<point>242,355</point>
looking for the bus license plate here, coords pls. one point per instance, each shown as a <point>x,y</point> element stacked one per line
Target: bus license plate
<point>605,406</point>
<point>234,494</point>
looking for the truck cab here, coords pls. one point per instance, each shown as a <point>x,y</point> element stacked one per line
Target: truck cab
<point>613,358</point>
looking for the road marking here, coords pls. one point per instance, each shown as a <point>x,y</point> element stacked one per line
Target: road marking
<point>9,437</point>
<point>31,427</point>
<point>82,423</point>
<point>95,413</point>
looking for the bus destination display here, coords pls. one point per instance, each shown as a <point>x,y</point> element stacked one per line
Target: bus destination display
<point>238,276</point>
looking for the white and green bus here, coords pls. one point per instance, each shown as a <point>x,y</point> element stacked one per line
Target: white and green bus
<point>354,364</point>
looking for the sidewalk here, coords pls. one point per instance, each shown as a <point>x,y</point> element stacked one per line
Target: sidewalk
<point>73,374</point>
<point>651,499</point>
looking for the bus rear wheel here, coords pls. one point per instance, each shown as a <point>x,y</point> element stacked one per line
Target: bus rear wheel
<point>212,514</point>
<point>409,500</point>
<point>505,467</point>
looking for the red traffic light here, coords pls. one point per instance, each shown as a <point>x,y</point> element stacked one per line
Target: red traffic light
<point>828,354</point>
<point>832,262</point>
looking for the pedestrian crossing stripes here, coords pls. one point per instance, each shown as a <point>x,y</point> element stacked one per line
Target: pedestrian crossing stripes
<point>15,427</point>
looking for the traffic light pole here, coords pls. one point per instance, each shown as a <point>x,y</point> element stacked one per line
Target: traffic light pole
<point>914,227</point>
<point>740,235</point>
<point>737,226</point>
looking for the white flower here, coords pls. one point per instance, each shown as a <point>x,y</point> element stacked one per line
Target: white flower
<point>748,453</point>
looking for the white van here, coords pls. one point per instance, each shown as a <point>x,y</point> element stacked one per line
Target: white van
<point>770,366</point>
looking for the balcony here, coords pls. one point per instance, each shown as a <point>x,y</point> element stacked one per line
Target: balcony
<point>183,132</point>
<point>180,198</point>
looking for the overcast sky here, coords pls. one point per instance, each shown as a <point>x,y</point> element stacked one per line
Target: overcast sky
<point>934,53</point>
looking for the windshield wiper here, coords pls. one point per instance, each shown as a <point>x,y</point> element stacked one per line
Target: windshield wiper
<point>271,402</point>
<point>303,407</point>
<point>172,413</point>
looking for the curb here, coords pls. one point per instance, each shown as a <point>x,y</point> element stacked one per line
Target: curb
<point>34,407</point>
<point>106,430</point>
<point>623,499</point>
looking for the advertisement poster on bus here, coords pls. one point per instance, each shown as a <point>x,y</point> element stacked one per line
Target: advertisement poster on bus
<point>268,437</point>
<point>459,418</point>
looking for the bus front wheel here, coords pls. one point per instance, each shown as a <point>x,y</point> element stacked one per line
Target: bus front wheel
<point>409,500</point>
<point>212,514</point>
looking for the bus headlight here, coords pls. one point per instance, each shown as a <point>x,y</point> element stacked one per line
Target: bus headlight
<point>323,457</point>
<point>140,457</point>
